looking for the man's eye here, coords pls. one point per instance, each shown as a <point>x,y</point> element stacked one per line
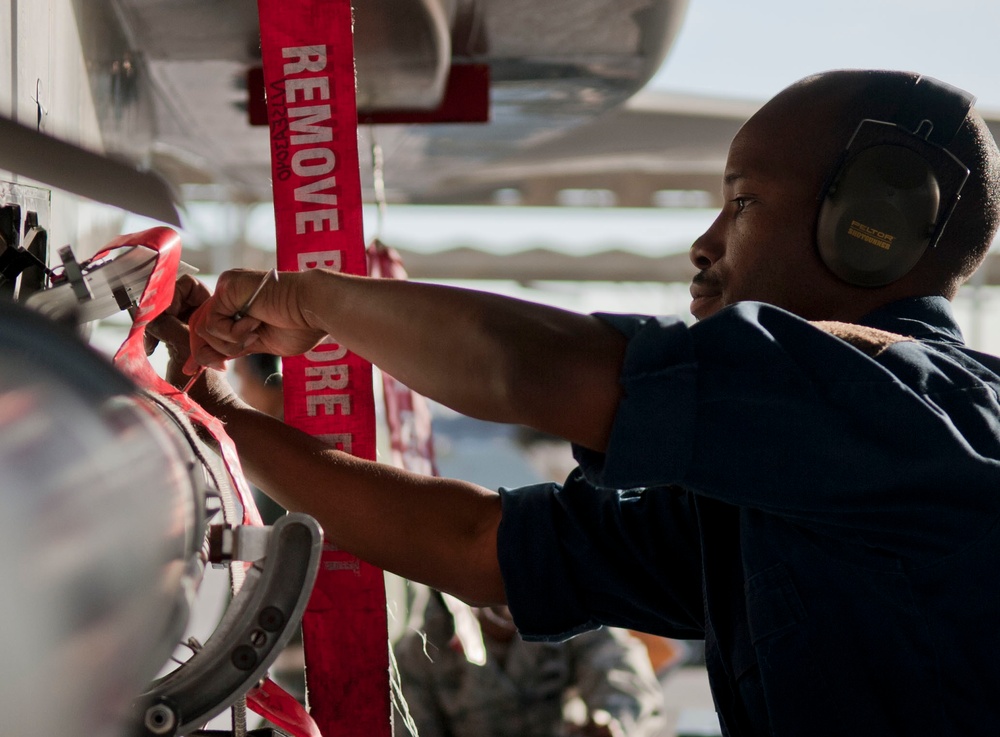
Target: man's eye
<point>741,203</point>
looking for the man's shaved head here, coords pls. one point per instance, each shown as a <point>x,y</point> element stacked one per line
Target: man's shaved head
<point>762,246</point>
<point>846,97</point>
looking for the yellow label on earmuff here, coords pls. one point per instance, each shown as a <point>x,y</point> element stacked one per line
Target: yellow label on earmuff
<point>870,235</point>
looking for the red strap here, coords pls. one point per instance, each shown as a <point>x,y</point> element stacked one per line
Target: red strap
<point>308,58</point>
<point>281,709</point>
<point>131,357</point>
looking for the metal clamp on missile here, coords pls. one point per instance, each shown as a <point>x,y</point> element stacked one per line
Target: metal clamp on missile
<point>257,625</point>
<point>237,542</point>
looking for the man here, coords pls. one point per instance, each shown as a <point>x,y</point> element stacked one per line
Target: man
<point>515,688</point>
<point>819,502</point>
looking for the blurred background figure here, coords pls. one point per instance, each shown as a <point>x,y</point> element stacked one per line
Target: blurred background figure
<point>488,682</point>
<point>258,382</point>
<point>665,654</point>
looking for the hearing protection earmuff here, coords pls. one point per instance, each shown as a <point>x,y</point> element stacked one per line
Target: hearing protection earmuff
<point>894,188</point>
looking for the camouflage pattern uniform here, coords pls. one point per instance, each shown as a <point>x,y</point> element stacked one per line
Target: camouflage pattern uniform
<point>523,695</point>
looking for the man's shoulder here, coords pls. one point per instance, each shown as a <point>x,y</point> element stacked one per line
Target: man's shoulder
<point>868,340</point>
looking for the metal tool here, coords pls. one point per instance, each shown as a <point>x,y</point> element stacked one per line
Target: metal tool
<point>237,316</point>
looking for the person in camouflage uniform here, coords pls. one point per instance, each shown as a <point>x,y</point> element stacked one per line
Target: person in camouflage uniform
<point>522,688</point>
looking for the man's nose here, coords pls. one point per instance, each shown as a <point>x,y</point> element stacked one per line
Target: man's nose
<point>709,246</point>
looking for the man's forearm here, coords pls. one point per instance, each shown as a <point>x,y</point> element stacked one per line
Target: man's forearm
<point>487,356</point>
<point>437,531</point>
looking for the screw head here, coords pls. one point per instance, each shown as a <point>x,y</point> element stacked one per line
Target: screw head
<point>244,657</point>
<point>160,719</point>
<point>271,619</point>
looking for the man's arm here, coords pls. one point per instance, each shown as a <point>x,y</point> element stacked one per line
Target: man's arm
<point>441,532</point>
<point>484,355</point>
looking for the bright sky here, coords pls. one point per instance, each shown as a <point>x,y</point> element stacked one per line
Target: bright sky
<point>753,49</point>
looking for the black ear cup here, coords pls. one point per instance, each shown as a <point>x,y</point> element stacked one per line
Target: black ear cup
<point>895,187</point>
<point>878,216</point>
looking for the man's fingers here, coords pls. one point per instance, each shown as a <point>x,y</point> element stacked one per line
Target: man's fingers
<point>220,333</point>
<point>189,294</point>
<point>227,330</point>
<point>215,335</point>
<point>203,353</point>
<point>209,349</point>
<point>208,356</point>
<point>168,329</point>
<point>191,366</point>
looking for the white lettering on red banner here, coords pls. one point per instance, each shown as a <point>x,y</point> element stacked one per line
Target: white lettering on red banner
<point>308,59</point>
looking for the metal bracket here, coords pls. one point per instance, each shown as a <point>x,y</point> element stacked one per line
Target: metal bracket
<point>28,261</point>
<point>74,274</point>
<point>237,542</point>
<point>257,625</point>
<point>99,288</point>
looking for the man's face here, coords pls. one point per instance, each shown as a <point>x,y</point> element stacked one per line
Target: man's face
<point>761,246</point>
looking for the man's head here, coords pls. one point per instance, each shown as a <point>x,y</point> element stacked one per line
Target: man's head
<point>762,246</point>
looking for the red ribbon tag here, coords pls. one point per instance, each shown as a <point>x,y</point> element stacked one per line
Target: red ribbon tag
<point>308,57</point>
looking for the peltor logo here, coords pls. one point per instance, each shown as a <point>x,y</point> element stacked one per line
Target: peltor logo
<point>870,235</point>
